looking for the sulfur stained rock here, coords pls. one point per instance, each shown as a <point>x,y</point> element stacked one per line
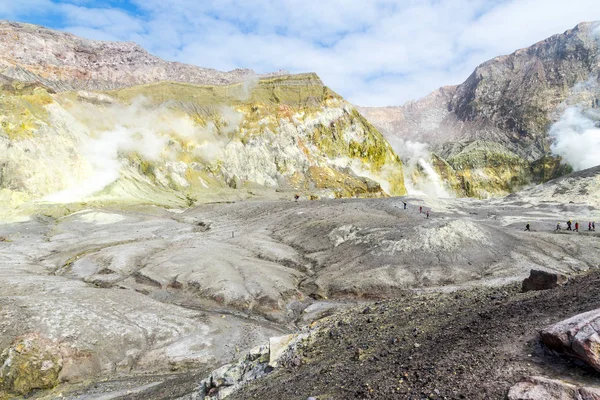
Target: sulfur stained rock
<point>32,362</point>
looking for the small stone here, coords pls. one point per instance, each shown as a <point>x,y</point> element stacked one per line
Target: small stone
<point>358,354</point>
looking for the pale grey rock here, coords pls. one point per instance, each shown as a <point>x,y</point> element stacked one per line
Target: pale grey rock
<point>540,388</point>
<point>578,187</point>
<point>277,346</point>
<point>257,363</point>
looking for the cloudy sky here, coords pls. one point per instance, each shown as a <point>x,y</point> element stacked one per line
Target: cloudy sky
<point>373,52</point>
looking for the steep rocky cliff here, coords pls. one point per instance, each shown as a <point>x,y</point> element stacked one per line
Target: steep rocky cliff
<point>167,142</point>
<point>84,119</point>
<point>506,106</point>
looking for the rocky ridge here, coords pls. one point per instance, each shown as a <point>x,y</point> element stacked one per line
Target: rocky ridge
<point>63,61</point>
<point>502,111</point>
<point>169,133</point>
<point>172,143</point>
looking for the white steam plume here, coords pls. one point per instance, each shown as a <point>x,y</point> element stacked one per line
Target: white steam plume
<point>576,139</point>
<point>148,131</point>
<point>248,86</point>
<point>416,155</point>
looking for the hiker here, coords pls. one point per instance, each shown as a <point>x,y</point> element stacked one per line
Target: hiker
<point>576,226</point>
<point>590,226</point>
<point>420,209</point>
<point>569,225</point>
<point>404,205</point>
<point>296,197</point>
<point>427,214</point>
<point>557,227</point>
<point>527,228</point>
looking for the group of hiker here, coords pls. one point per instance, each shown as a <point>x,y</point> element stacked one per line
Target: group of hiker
<point>570,226</point>
<point>591,226</point>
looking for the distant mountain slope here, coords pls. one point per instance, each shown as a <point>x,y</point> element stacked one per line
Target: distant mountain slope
<point>63,61</point>
<point>510,100</point>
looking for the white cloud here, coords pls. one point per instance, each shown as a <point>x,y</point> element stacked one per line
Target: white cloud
<point>377,52</point>
<point>15,9</point>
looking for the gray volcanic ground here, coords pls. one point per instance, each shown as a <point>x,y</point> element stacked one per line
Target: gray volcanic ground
<point>121,293</point>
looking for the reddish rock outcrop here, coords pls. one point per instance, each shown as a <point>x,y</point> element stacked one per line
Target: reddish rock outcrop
<point>576,336</point>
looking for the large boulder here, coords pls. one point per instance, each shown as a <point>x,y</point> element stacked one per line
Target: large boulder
<point>543,280</point>
<point>576,336</point>
<point>540,388</point>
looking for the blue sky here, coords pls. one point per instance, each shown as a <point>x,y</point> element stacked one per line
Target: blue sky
<point>373,52</point>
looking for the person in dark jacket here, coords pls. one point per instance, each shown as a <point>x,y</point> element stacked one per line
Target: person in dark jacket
<point>527,228</point>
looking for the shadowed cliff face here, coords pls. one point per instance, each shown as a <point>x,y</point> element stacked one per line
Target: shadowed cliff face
<point>170,142</point>
<point>506,106</point>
